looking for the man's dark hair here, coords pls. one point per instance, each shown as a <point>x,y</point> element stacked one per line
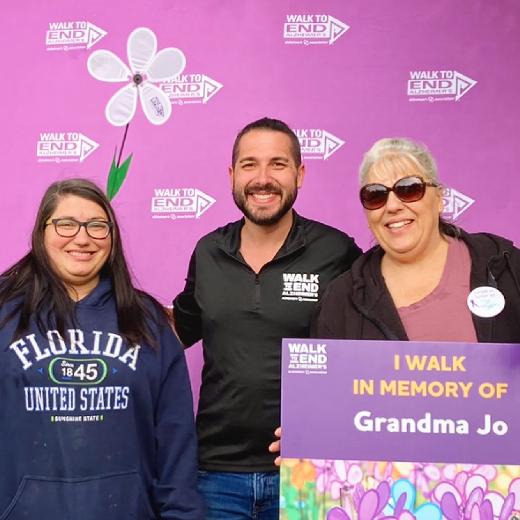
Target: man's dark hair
<point>275,125</point>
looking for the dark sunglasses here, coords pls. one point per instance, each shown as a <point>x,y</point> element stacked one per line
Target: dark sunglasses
<point>407,189</point>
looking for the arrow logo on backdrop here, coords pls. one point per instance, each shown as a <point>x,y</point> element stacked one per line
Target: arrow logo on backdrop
<point>94,34</point>
<point>455,203</point>
<point>209,88</point>
<point>336,28</point>
<point>86,147</point>
<point>331,144</point>
<point>202,202</point>
<point>462,84</point>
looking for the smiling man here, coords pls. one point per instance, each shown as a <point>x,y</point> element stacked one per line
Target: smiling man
<point>249,284</point>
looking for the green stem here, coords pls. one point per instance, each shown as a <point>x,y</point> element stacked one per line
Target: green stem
<point>122,145</point>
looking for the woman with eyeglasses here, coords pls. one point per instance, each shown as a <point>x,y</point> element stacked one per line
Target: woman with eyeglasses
<point>96,417</point>
<point>426,279</point>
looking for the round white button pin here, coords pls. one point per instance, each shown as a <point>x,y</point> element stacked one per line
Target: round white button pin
<point>486,302</point>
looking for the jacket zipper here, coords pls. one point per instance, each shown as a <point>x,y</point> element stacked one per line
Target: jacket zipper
<point>257,290</point>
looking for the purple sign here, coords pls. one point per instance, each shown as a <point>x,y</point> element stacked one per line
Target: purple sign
<point>400,401</point>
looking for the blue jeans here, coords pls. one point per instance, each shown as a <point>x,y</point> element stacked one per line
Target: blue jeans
<point>240,496</point>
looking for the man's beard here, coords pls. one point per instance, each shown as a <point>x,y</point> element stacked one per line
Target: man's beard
<point>258,217</point>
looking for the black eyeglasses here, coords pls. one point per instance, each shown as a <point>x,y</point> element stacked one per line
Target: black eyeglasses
<point>407,189</point>
<point>69,227</point>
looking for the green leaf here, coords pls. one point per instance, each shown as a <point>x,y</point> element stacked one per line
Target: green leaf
<point>293,514</point>
<point>111,174</point>
<point>116,176</point>
<point>291,494</point>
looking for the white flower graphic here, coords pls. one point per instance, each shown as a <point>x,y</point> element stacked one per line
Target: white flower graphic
<point>146,66</point>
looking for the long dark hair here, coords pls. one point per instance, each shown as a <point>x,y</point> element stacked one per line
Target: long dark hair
<point>41,294</point>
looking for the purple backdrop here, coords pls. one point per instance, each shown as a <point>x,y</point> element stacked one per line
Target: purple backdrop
<point>342,73</point>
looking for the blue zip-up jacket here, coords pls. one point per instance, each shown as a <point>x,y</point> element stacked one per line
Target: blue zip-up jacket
<point>93,430</point>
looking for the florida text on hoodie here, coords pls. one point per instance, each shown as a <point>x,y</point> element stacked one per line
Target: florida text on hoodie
<point>91,429</point>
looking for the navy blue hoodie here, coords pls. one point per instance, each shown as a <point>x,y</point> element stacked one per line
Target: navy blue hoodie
<point>93,430</point>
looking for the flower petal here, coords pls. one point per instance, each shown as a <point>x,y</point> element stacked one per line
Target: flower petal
<point>141,47</point>
<point>474,482</point>
<point>475,497</point>
<point>460,481</point>
<point>322,482</point>
<point>496,500</point>
<point>490,472</point>
<point>486,511</point>
<point>449,471</point>
<point>427,511</point>
<point>337,513</point>
<point>166,64</point>
<point>335,490</point>
<point>383,494</point>
<point>449,506</point>
<point>341,468</point>
<point>432,472</point>
<point>399,505</point>
<point>355,474</point>
<point>403,486</point>
<point>156,105</point>
<point>507,507</point>
<point>446,487</point>
<point>106,66</point>
<point>368,505</point>
<point>121,107</point>
<point>514,488</point>
<point>474,513</point>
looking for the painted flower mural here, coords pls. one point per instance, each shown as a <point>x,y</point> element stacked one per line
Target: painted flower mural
<point>336,476</point>
<point>146,67</point>
<point>469,495</point>
<point>364,490</point>
<point>403,498</point>
<point>421,475</point>
<point>384,502</point>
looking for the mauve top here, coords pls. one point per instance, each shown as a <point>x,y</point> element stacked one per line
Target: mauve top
<point>443,315</point>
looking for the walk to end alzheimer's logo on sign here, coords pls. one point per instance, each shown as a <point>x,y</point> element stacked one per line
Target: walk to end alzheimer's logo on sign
<point>438,85</point>
<point>316,143</point>
<point>400,430</point>
<point>312,29</point>
<point>180,203</point>
<point>187,89</point>
<point>64,147</point>
<point>72,35</point>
